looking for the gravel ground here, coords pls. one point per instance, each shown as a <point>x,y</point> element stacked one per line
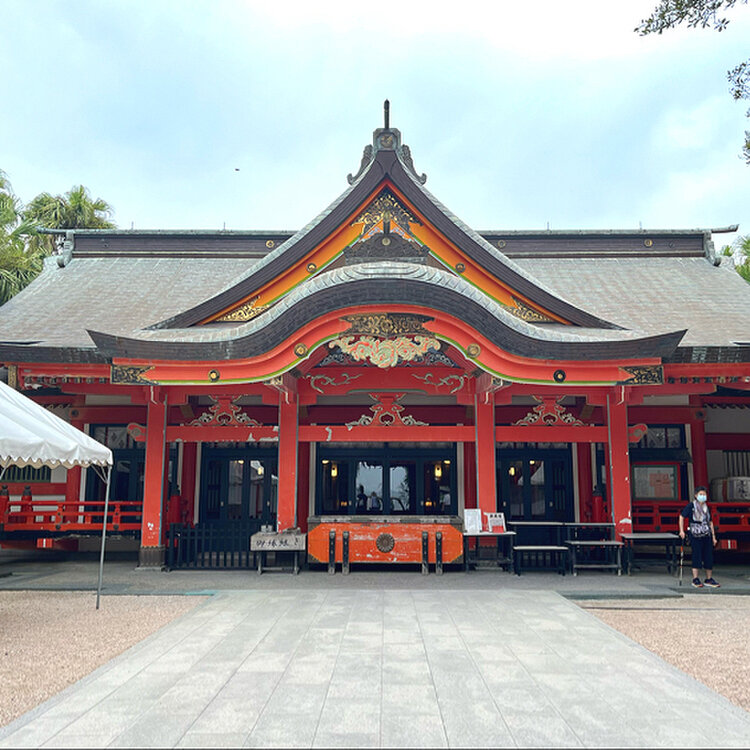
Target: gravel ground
<point>49,640</point>
<point>705,635</point>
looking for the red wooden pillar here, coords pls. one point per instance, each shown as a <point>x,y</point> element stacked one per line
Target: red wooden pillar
<point>619,462</point>
<point>470,476</point>
<point>303,485</point>
<point>585,485</point>
<point>698,447</point>
<point>73,477</point>
<point>484,441</point>
<point>152,551</point>
<point>187,487</point>
<point>286,516</point>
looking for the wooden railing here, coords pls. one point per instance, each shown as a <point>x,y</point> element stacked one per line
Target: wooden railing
<point>731,519</point>
<point>62,516</point>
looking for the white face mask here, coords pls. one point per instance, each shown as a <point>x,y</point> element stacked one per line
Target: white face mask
<point>701,498</point>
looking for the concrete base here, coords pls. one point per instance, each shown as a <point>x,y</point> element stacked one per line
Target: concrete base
<point>151,558</point>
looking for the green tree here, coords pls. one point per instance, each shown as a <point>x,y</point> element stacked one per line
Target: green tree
<point>741,254</point>
<point>20,262</point>
<point>74,210</point>
<point>22,247</point>
<point>703,13</point>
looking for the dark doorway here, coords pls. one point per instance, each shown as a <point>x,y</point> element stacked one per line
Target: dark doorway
<point>239,484</point>
<point>535,484</point>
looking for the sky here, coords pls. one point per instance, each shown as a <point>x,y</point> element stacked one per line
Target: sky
<point>188,114</point>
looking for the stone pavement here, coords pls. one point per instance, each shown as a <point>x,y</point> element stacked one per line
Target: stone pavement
<point>380,668</point>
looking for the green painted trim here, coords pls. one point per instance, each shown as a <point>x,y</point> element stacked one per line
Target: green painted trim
<point>532,381</point>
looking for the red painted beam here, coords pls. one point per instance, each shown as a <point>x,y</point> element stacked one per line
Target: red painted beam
<point>727,441</point>
<point>359,433</point>
<point>551,433</point>
<point>286,516</point>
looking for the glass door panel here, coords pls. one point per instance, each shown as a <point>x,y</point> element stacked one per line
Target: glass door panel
<point>212,493</point>
<point>403,489</point>
<point>257,489</point>
<point>335,490</point>
<point>438,497</point>
<point>234,489</point>
<point>369,483</point>
<point>537,496</point>
<point>514,499</point>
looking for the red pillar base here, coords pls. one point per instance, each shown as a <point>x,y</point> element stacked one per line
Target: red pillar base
<point>151,558</point>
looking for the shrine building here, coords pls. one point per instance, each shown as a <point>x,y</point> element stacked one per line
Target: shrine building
<point>379,372</point>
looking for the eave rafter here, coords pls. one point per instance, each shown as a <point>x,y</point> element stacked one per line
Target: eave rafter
<point>440,329</point>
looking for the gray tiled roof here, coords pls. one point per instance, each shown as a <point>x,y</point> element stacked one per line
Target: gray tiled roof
<point>655,294</point>
<point>117,295</point>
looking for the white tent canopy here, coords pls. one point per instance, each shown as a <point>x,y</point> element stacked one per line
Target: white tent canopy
<point>32,436</point>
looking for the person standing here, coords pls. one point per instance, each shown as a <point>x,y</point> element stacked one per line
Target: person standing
<point>702,537</point>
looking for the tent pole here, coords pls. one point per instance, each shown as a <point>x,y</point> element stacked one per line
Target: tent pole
<point>104,536</point>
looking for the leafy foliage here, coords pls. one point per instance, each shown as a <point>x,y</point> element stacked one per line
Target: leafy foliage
<point>703,13</point>
<point>22,247</point>
<point>19,264</point>
<point>740,252</point>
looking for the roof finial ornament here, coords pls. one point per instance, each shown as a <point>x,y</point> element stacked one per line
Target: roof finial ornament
<point>387,114</point>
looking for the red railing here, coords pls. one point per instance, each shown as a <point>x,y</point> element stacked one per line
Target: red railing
<point>62,516</point>
<point>731,519</point>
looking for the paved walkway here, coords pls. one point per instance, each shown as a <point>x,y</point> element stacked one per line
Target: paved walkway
<point>359,668</point>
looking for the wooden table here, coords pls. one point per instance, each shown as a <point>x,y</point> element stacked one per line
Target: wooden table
<point>556,525</point>
<point>501,536</point>
<point>669,541</point>
<point>610,545</point>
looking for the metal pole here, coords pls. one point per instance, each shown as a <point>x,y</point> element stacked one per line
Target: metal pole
<point>104,537</point>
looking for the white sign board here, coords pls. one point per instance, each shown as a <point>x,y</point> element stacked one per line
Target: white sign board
<point>472,521</point>
<point>277,542</point>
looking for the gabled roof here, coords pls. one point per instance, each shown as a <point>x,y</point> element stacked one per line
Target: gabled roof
<point>386,164</point>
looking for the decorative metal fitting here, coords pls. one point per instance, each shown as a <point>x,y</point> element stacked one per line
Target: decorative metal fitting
<point>311,268</point>
<point>300,350</point>
<point>214,375</point>
<point>385,542</point>
<point>460,267</point>
<point>473,350</point>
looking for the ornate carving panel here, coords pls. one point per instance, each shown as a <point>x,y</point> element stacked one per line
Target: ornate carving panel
<point>385,352</point>
<point>550,412</point>
<point>243,313</point>
<point>224,413</point>
<point>386,207</point>
<point>529,314</point>
<point>386,411</point>
<point>645,375</point>
<point>319,382</point>
<point>387,324</point>
<point>451,383</point>
<point>130,374</point>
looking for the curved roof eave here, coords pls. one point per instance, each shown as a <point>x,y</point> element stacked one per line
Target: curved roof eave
<point>377,284</point>
<point>386,164</point>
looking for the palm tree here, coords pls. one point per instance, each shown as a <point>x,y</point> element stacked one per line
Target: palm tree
<point>74,210</point>
<point>19,262</point>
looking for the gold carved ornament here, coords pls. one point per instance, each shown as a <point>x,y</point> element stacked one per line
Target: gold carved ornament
<point>387,324</point>
<point>549,412</point>
<point>386,412</point>
<point>386,207</point>
<point>385,353</point>
<point>243,313</point>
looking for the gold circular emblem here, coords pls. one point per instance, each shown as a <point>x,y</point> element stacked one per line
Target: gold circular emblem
<point>559,376</point>
<point>385,241</point>
<point>473,350</point>
<point>501,243</point>
<point>648,243</point>
<point>270,244</point>
<point>311,267</point>
<point>300,350</point>
<point>460,267</point>
<point>385,542</point>
<point>213,375</point>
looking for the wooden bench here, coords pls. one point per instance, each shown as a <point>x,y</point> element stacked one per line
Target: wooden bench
<point>558,555</point>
